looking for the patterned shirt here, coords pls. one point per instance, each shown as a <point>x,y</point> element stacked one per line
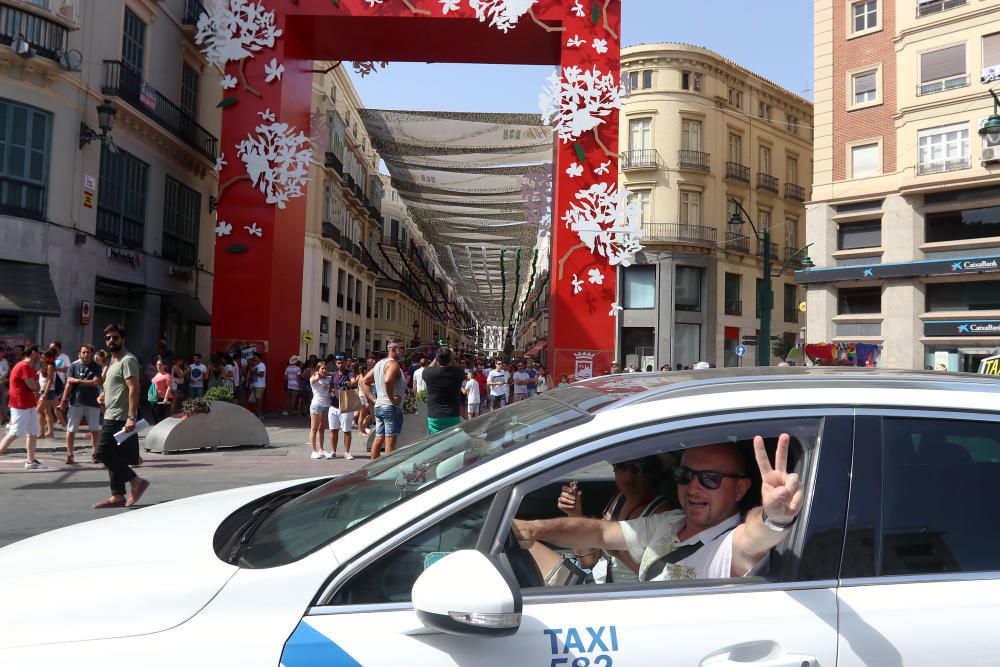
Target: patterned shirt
<point>648,539</point>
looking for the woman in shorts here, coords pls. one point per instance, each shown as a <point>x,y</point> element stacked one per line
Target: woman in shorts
<point>319,383</point>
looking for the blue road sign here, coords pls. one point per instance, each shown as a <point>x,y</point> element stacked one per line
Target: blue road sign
<point>741,350</point>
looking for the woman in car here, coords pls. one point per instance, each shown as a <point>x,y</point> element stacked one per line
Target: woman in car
<point>638,495</point>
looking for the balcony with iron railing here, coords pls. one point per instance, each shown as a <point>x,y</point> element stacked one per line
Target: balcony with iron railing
<point>773,247</point>
<point>796,192</point>
<point>767,182</point>
<point>193,10</point>
<point>640,158</point>
<point>936,6</point>
<point>333,162</point>
<point>794,255</point>
<point>693,160</point>
<point>941,166</point>
<point>737,172</point>
<point>122,82</point>
<point>46,36</point>
<point>733,307</point>
<point>738,242</point>
<point>939,85</point>
<point>672,232</point>
<point>331,232</point>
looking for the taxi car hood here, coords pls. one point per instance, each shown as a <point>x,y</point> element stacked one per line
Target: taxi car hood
<point>134,573</point>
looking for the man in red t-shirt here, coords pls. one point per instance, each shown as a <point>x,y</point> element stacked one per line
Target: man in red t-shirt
<point>23,399</point>
<point>483,389</point>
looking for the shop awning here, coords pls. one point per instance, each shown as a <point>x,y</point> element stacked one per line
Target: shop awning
<point>27,288</point>
<point>189,308</point>
<point>537,347</point>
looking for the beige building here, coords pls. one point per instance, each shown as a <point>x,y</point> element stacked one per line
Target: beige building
<point>91,234</point>
<point>905,213</point>
<point>699,133</point>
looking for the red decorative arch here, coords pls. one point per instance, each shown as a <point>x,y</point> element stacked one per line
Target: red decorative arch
<point>258,263</point>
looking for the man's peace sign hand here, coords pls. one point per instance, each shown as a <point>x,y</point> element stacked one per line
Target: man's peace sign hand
<point>780,491</point>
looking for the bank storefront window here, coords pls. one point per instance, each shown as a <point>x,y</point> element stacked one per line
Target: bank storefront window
<point>973,223</point>
<point>956,359</point>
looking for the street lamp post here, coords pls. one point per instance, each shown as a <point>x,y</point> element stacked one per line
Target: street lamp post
<point>766,296</point>
<point>991,128</point>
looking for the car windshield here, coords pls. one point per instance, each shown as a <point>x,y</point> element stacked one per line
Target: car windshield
<point>304,524</point>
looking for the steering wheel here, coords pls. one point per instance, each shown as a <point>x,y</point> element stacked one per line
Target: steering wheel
<point>525,568</point>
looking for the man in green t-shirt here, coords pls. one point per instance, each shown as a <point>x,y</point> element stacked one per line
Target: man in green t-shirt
<point>121,403</point>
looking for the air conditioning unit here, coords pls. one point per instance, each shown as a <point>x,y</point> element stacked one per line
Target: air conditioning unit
<point>991,154</point>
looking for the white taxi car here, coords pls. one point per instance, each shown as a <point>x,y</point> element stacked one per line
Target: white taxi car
<point>894,559</point>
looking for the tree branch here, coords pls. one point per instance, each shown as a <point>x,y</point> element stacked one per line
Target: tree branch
<point>569,252</point>
<point>545,26</point>
<point>597,138</point>
<point>328,69</point>
<point>241,177</point>
<point>607,26</point>
<point>414,9</point>
<point>246,86</point>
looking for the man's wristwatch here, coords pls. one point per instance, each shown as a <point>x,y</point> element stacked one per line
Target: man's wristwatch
<point>776,527</point>
<point>132,417</point>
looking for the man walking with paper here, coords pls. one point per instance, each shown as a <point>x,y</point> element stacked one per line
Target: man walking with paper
<point>121,403</point>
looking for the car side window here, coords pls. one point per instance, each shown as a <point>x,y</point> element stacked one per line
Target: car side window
<point>636,481</point>
<point>391,577</point>
<point>941,499</point>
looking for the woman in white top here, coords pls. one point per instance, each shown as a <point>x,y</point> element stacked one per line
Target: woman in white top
<point>542,380</point>
<point>318,408</point>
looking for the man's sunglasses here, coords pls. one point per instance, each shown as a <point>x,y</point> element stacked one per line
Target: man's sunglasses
<point>112,337</point>
<point>636,467</point>
<point>710,479</point>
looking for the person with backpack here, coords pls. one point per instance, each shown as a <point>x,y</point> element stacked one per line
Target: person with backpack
<point>50,385</point>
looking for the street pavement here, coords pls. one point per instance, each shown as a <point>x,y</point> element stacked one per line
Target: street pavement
<point>35,501</point>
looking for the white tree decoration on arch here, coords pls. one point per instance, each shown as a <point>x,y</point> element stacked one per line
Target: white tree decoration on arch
<point>607,223</point>
<point>277,162</point>
<point>504,14</point>
<point>233,30</point>
<point>580,101</point>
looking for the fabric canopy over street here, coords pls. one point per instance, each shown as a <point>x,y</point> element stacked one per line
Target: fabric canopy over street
<point>27,288</point>
<point>478,187</point>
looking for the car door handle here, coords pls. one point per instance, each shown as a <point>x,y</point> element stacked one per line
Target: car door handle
<point>758,654</point>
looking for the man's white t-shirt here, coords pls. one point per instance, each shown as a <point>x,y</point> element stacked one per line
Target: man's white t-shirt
<point>497,376</point>
<point>63,363</point>
<point>648,539</point>
<point>260,376</point>
<point>418,380</point>
<point>521,376</point>
<point>197,377</point>
<point>472,392</point>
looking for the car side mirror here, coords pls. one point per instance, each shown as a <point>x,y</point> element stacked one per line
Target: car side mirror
<point>467,593</point>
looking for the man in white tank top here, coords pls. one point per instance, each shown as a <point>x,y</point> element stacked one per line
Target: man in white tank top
<point>387,378</point>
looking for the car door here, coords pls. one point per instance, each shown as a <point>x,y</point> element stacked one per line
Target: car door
<point>789,620</point>
<point>921,577</point>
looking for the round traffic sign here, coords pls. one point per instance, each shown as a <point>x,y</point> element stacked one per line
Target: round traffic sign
<point>741,350</point>
<point>308,337</point>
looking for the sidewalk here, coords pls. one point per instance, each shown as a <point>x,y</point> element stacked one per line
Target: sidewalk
<point>291,431</point>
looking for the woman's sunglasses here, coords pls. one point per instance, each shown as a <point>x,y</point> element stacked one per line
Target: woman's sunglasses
<point>710,479</point>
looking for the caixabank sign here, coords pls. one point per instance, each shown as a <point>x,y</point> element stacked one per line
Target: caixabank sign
<point>931,267</point>
<point>953,328</point>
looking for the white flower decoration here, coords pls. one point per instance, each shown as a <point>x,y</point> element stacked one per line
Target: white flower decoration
<point>277,161</point>
<point>578,9</point>
<point>602,168</point>
<point>267,115</point>
<point>232,30</point>
<point>274,71</point>
<point>607,222</point>
<point>615,309</point>
<point>577,285</point>
<point>449,6</point>
<point>502,14</point>
<point>372,3</point>
<point>579,100</point>
<point>575,170</point>
<point>595,277</point>
<point>223,228</point>
<point>254,230</point>
<point>600,45</point>
<point>575,41</point>
<point>220,162</point>
<point>228,82</point>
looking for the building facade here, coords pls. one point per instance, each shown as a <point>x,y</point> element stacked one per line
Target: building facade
<point>94,231</point>
<point>701,134</point>
<point>905,217</point>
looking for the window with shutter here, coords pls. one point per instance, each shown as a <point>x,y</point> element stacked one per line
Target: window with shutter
<point>942,69</point>
<point>865,87</point>
<point>991,58</point>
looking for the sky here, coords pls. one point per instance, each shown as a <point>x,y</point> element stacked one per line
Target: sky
<point>773,38</point>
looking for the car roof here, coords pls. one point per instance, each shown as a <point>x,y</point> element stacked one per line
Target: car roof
<point>631,388</point>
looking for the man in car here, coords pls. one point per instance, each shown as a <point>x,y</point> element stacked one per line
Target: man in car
<point>706,538</point>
